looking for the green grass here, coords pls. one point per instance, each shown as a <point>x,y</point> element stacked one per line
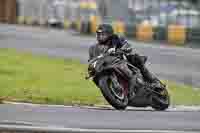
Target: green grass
<point>183,95</point>
<point>41,79</point>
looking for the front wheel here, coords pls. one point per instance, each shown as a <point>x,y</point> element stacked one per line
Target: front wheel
<point>160,99</point>
<point>117,97</point>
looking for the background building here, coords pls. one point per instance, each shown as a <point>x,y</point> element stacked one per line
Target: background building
<point>8,11</point>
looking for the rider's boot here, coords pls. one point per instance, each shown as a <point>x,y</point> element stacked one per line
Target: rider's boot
<point>148,76</point>
<point>132,87</point>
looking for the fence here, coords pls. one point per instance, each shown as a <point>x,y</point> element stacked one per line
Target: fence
<point>176,22</point>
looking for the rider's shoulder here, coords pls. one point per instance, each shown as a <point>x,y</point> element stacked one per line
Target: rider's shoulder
<point>123,39</point>
<point>119,38</point>
<point>93,46</point>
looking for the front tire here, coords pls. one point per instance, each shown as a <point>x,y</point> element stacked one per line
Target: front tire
<point>104,85</point>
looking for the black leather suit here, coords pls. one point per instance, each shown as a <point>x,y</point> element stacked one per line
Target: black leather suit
<point>119,42</point>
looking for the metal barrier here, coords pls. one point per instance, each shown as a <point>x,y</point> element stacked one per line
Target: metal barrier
<point>176,34</point>
<point>43,12</point>
<point>160,33</point>
<point>193,35</point>
<point>21,13</point>
<point>31,12</point>
<point>87,18</point>
<point>144,32</point>
<point>119,27</point>
<point>84,16</point>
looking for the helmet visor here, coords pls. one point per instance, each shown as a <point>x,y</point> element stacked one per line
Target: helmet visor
<point>101,36</point>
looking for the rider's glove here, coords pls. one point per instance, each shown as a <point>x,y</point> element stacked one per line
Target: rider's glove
<point>127,50</point>
<point>111,50</point>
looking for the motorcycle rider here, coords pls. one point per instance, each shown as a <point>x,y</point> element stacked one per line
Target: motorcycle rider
<point>107,41</point>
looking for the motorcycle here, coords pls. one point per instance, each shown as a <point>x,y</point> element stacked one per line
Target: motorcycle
<point>114,84</point>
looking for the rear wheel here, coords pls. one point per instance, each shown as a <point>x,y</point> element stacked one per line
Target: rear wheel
<point>117,97</point>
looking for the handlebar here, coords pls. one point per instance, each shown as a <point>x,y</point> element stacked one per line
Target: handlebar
<point>117,52</point>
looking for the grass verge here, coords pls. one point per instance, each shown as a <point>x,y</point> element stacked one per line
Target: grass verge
<point>40,79</point>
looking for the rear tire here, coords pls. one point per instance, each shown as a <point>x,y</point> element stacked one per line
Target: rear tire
<point>109,96</point>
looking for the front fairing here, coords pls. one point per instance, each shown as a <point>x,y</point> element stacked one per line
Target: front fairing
<point>100,63</point>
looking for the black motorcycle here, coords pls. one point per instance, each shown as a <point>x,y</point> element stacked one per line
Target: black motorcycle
<point>108,74</point>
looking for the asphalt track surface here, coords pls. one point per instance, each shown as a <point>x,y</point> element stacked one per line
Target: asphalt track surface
<point>100,118</point>
<point>179,64</point>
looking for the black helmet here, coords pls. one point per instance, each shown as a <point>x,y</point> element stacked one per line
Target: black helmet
<point>104,32</point>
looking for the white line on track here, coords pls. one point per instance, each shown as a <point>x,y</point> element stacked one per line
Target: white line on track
<point>170,109</point>
<point>79,130</point>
